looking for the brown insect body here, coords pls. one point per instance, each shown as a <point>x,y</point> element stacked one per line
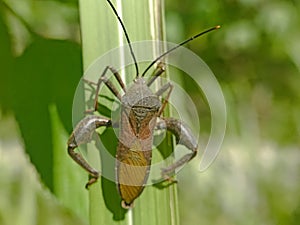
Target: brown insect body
<point>140,108</point>
<point>133,159</point>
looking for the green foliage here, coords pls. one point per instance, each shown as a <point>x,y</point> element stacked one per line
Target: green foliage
<point>37,88</point>
<point>255,57</point>
<point>23,199</point>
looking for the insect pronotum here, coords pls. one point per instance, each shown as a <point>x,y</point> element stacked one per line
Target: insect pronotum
<point>141,111</point>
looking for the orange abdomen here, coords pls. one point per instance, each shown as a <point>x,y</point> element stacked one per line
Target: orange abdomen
<point>132,172</point>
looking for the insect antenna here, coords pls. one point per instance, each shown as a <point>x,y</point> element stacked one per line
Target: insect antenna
<point>177,46</point>
<point>126,35</point>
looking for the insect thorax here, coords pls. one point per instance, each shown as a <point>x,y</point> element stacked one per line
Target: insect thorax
<point>140,105</point>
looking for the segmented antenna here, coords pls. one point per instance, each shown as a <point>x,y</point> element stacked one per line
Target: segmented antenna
<point>127,37</point>
<point>177,46</point>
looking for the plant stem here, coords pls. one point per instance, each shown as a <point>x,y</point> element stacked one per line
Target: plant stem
<point>101,32</point>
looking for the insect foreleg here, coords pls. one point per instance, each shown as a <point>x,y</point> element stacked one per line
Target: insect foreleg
<point>109,84</point>
<point>167,86</point>
<point>183,136</point>
<point>83,134</point>
<point>161,68</point>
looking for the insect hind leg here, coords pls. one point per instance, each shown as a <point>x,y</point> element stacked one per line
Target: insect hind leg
<point>83,134</point>
<point>183,136</point>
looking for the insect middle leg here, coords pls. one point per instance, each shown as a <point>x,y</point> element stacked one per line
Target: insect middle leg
<point>109,84</point>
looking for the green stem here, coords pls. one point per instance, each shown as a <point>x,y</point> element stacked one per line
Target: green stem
<point>100,33</point>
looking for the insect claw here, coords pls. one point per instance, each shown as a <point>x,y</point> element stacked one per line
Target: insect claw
<point>90,182</point>
<point>165,173</point>
<point>171,180</point>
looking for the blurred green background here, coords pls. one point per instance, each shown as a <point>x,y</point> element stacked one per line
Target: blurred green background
<point>256,59</point>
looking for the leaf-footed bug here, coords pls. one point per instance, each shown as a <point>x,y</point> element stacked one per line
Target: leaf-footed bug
<point>140,110</point>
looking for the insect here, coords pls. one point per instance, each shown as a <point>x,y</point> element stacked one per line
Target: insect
<point>141,114</point>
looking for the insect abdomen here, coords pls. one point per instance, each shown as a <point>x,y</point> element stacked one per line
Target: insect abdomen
<point>133,167</point>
